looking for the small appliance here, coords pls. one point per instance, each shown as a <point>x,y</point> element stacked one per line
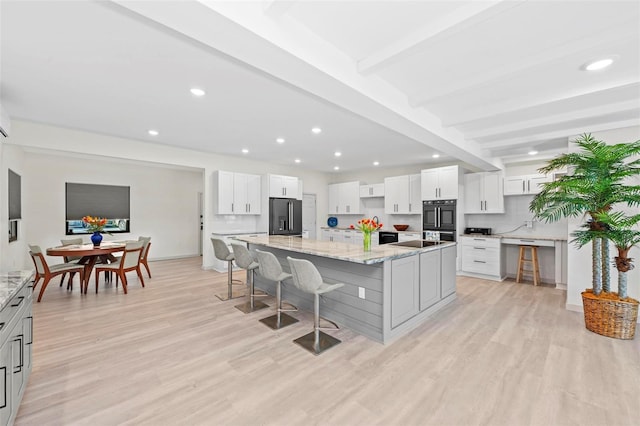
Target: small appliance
<point>479,231</point>
<point>385,237</point>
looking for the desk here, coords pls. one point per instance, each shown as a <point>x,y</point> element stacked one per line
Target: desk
<point>89,255</point>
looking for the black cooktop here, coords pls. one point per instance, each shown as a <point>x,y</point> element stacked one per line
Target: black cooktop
<point>417,243</point>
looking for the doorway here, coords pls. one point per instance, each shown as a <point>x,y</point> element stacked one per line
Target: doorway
<point>200,224</point>
<point>309,215</point>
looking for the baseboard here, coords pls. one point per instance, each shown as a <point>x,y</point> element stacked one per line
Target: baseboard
<point>186,256</point>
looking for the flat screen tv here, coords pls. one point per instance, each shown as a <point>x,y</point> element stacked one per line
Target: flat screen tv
<point>15,196</point>
<point>107,201</point>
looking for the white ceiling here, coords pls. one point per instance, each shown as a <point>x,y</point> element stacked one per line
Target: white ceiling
<point>480,82</point>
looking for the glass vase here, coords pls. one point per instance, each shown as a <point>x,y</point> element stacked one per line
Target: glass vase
<point>96,239</point>
<point>367,241</point>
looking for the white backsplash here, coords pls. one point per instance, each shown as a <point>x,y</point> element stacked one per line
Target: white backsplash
<point>517,212</point>
<point>375,207</point>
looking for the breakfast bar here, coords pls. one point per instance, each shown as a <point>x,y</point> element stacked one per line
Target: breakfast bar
<point>388,291</point>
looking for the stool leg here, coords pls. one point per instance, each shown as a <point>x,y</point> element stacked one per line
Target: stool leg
<point>317,341</point>
<point>252,305</point>
<point>230,280</point>
<point>280,319</point>
<point>536,270</point>
<point>520,264</point>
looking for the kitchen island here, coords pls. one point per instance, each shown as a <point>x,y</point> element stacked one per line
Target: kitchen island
<point>388,291</point>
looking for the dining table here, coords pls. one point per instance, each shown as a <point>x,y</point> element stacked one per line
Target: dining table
<point>89,255</point>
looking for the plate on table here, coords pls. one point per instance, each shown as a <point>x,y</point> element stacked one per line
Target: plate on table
<point>332,221</point>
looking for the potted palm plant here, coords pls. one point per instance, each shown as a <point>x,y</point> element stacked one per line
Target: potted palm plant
<point>596,181</point>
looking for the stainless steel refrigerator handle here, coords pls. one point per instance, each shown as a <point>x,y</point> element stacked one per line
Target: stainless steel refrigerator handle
<point>291,227</point>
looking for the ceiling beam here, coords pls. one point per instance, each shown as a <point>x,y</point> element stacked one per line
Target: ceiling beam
<point>541,137</point>
<point>523,126</point>
<point>452,23</point>
<point>512,105</point>
<point>498,74</point>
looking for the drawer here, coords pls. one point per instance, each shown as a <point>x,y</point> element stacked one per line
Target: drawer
<point>8,315</point>
<point>480,241</point>
<point>479,266</point>
<point>528,242</point>
<point>481,253</point>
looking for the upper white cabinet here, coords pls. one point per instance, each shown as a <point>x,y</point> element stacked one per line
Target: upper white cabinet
<point>440,183</point>
<point>370,191</point>
<point>526,184</point>
<point>283,186</point>
<point>238,193</point>
<point>483,193</point>
<point>402,195</point>
<point>344,198</point>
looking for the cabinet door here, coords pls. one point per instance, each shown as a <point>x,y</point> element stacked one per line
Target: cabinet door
<point>366,191</point>
<point>514,185</point>
<point>415,202</point>
<point>336,235</point>
<point>240,201</point>
<point>347,237</point>
<point>535,181</point>
<point>396,191</point>
<point>349,197</point>
<point>493,198</point>
<point>17,362</point>
<point>334,198</point>
<point>276,186</point>
<point>326,234</point>
<point>290,185</point>
<point>430,278</point>
<point>5,386</point>
<point>448,180</point>
<point>448,271</point>
<point>473,201</point>
<point>254,193</point>
<point>429,184</point>
<point>225,192</point>
<point>405,289</point>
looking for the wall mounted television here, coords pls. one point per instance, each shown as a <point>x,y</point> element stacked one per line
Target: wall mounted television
<point>107,201</point>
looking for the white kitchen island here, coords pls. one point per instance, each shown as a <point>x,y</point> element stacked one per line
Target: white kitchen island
<point>388,291</point>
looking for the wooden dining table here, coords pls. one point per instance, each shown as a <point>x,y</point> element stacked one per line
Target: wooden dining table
<point>89,255</point>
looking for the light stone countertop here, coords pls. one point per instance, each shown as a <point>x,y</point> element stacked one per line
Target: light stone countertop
<point>237,232</point>
<point>521,237</point>
<point>342,228</point>
<point>11,283</point>
<point>337,250</point>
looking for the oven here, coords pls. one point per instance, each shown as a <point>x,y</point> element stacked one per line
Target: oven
<point>387,237</point>
<point>440,215</point>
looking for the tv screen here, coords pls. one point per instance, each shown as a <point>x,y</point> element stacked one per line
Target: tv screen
<point>15,197</point>
<point>105,201</point>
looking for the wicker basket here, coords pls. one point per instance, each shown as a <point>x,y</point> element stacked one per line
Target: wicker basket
<point>611,318</point>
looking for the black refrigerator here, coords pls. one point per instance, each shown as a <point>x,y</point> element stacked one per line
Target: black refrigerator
<point>285,216</point>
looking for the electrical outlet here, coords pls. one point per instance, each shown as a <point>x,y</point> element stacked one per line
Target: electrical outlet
<point>528,223</point>
<point>361,292</point>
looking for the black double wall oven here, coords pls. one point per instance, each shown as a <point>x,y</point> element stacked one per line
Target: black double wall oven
<point>440,215</point>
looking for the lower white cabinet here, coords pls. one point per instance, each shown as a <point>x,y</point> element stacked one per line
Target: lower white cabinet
<point>405,288</point>
<point>16,320</point>
<point>430,273</point>
<point>482,256</point>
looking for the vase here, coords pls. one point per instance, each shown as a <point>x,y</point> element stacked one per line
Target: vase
<point>367,241</point>
<point>96,239</point>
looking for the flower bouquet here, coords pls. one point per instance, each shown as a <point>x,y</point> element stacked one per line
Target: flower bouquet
<point>95,225</point>
<point>367,226</point>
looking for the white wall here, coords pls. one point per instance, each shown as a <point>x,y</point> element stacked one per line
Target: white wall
<point>579,261</point>
<point>85,146</point>
<point>12,158</point>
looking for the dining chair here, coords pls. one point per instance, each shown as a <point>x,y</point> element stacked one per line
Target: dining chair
<point>46,272</point>
<point>145,253</point>
<point>130,261</point>
<point>70,259</point>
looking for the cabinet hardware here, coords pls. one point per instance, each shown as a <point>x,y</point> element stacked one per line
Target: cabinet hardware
<point>30,332</point>
<point>232,207</point>
<point>18,369</point>
<point>479,239</point>
<point>2,326</point>
<point>528,186</point>
<point>4,377</point>
<point>479,261</point>
<point>480,248</point>
<point>528,241</point>
<point>20,302</point>
<point>522,186</point>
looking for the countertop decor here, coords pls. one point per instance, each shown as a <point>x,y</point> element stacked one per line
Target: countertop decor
<point>367,226</point>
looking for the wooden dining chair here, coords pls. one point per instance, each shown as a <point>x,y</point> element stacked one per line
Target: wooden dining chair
<point>145,253</point>
<point>130,261</point>
<point>46,272</point>
<point>70,259</point>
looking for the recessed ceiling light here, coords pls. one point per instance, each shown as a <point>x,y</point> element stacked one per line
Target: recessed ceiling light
<point>245,151</point>
<point>376,163</point>
<point>533,152</point>
<point>316,130</point>
<point>280,140</point>
<point>337,153</point>
<point>336,168</point>
<point>435,156</point>
<point>197,92</point>
<point>297,160</point>
<point>153,132</point>
<point>597,65</point>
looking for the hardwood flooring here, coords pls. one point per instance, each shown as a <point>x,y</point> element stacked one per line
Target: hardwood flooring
<point>172,353</point>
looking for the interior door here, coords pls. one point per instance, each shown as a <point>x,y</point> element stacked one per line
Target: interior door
<point>309,215</point>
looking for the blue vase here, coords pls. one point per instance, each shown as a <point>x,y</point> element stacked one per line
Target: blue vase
<point>96,239</point>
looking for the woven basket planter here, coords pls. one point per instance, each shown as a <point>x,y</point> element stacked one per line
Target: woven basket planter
<point>611,318</point>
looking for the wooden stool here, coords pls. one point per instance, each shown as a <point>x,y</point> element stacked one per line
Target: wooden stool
<point>533,260</point>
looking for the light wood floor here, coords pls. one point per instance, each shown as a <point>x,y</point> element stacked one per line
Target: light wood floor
<point>172,353</point>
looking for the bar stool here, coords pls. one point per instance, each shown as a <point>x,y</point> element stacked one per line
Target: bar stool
<point>307,278</point>
<point>271,269</point>
<point>221,251</point>
<point>533,260</point>
<point>245,261</point>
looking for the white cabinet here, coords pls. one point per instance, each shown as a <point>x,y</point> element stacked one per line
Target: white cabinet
<point>405,289</point>
<point>483,193</point>
<point>440,183</point>
<point>524,185</point>
<point>482,256</point>
<point>326,234</point>
<point>402,195</point>
<point>370,191</point>
<point>344,198</point>
<point>283,186</point>
<point>238,193</point>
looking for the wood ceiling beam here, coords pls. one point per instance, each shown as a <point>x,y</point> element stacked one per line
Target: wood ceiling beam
<point>460,19</point>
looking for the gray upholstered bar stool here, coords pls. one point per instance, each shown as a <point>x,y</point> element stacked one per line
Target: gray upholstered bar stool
<point>307,278</point>
<point>271,269</point>
<point>244,260</point>
<point>221,251</point>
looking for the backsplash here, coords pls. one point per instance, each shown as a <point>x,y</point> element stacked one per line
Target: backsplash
<point>375,207</point>
<point>512,222</point>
